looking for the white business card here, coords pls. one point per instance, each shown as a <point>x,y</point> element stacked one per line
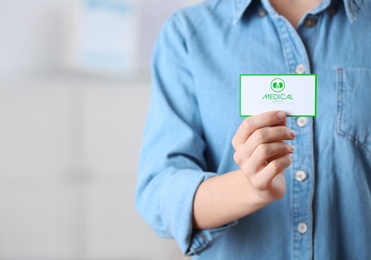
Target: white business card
<point>294,94</point>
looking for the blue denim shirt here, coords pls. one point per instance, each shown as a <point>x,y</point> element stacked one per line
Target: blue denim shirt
<point>194,113</point>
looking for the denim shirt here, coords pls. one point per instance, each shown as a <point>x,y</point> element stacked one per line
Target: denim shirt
<point>194,113</point>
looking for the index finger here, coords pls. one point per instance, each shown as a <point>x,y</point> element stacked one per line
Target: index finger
<point>251,124</point>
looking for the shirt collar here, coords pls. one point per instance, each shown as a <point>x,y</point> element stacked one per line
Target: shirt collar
<point>352,8</point>
<point>239,8</point>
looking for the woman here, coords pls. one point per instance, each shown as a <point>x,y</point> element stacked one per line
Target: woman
<point>232,188</point>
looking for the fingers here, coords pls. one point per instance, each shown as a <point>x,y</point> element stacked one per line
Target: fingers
<point>266,153</point>
<point>263,179</point>
<point>262,136</point>
<point>261,151</point>
<point>251,124</point>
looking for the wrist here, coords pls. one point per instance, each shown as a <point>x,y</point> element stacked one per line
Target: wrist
<point>252,199</point>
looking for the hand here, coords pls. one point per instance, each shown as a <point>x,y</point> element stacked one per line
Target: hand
<point>262,154</point>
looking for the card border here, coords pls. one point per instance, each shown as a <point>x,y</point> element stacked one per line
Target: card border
<point>296,75</point>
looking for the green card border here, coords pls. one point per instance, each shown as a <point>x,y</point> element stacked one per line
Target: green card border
<point>286,75</point>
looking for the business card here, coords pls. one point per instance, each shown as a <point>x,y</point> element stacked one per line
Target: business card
<point>294,94</point>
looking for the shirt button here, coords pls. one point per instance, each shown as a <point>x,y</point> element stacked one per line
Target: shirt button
<point>310,22</point>
<point>262,13</point>
<point>332,11</point>
<point>302,228</point>
<point>302,121</point>
<point>300,69</point>
<point>301,176</point>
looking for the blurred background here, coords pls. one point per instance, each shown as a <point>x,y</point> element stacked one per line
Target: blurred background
<point>74,91</point>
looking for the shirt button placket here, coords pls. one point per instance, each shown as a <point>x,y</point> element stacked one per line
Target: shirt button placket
<point>302,182</point>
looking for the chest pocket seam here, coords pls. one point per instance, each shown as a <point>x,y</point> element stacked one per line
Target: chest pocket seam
<point>343,91</point>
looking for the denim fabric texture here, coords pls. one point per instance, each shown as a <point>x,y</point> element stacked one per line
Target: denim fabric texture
<point>194,113</point>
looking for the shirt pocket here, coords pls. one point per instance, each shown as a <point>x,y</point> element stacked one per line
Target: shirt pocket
<point>354,106</point>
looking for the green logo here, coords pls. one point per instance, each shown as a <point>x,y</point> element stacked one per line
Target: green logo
<point>278,85</point>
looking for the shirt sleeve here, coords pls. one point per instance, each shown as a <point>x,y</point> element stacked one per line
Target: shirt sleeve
<point>172,163</point>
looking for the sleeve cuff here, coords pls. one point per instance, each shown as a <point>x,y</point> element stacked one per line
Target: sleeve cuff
<point>204,239</point>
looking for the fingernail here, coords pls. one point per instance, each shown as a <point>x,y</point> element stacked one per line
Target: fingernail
<point>291,147</point>
<point>280,115</point>
<point>292,134</point>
